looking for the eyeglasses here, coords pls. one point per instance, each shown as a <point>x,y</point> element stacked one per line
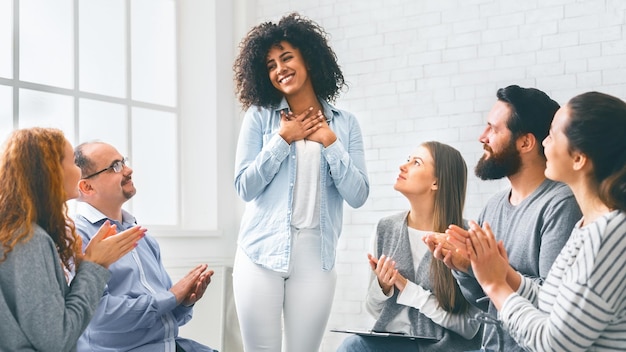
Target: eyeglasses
<point>116,166</point>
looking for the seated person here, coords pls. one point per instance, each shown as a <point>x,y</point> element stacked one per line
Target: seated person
<point>39,246</point>
<point>140,310</point>
<point>412,292</point>
<point>533,216</point>
<point>580,306</point>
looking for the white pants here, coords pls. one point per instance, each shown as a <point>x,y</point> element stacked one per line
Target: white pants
<point>303,297</point>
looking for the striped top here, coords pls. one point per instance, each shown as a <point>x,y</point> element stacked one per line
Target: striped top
<point>582,303</point>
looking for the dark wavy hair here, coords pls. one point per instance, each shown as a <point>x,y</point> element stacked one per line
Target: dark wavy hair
<point>252,83</point>
<point>596,129</point>
<point>32,192</point>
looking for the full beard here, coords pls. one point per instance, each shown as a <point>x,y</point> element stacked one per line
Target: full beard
<point>499,165</point>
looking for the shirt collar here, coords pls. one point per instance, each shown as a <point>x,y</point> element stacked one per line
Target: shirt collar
<point>94,215</point>
<point>329,110</point>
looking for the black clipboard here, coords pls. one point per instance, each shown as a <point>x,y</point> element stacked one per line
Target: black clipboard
<point>373,333</point>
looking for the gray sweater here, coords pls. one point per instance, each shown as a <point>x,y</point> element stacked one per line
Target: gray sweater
<point>392,237</point>
<point>38,310</point>
<point>533,232</point>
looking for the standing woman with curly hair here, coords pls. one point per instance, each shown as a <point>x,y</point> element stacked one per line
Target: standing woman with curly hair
<point>298,159</point>
<point>39,311</point>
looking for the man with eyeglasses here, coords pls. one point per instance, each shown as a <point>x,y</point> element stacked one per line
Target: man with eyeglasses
<point>140,309</point>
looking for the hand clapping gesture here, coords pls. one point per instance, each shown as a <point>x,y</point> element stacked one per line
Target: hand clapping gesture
<point>489,260</point>
<point>106,247</point>
<point>445,251</point>
<point>191,288</point>
<point>386,272</point>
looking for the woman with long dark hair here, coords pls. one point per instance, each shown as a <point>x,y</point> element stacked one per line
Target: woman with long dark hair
<point>412,292</point>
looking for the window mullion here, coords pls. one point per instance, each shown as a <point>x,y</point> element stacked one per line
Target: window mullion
<point>16,62</point>
<point>76,70</point>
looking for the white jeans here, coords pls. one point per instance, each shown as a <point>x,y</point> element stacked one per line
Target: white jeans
<point>303,297</point>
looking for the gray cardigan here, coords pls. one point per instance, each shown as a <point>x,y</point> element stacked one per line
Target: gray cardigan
<point>392,237</point>
<point>38,310</point>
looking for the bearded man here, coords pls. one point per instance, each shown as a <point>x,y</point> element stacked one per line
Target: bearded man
<point>534,216</point>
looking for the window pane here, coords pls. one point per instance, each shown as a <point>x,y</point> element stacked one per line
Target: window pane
<point>6,38</point>
<point>46,44</point>
<point>47,110</point>
<point>103,121</point>
<point>102,46</point>
<point>153,51</point>
<point>155,166</point>
<point>6,112</point>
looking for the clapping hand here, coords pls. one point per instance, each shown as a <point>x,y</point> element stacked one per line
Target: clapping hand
<point>445,251</point>
<point>198,290</point>
<point>490,262</point>
<point>192,286</point>
<point>386,272</point>
<point>106,247</point>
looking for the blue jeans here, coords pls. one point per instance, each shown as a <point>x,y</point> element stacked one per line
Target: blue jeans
<point>357,343</point>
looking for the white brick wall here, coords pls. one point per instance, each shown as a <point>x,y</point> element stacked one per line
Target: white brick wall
<point>428,70</point>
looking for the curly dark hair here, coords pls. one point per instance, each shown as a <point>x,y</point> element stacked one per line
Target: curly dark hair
<point>252,83</point>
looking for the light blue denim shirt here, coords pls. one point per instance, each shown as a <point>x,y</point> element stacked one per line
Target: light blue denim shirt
<point>265,171</point>
<point>137,312</point>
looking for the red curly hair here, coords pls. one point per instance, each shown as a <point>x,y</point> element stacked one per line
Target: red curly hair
<point>32,192</point>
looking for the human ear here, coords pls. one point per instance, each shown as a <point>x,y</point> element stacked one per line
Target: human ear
<point>528,142</point>
<point>84,186</point>
<point>580,161</point>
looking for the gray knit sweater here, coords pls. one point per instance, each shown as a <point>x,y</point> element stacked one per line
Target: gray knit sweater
<point>38,310</point>
<point>533,232</point>
<point>392,237</point>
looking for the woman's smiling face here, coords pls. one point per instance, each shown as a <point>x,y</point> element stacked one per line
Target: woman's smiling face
<point>559,160</point>
<point>286,68</point>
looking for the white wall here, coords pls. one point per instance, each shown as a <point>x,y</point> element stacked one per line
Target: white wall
<point>428,70</point>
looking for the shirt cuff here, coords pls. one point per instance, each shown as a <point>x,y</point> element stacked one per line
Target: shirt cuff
<point>508,307</point>
<point>413,295</point>
<point>522,285</point>
<point>278,147</point>
<point>334,152</point>
<point>376,293</point>
<point>165,301</point>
